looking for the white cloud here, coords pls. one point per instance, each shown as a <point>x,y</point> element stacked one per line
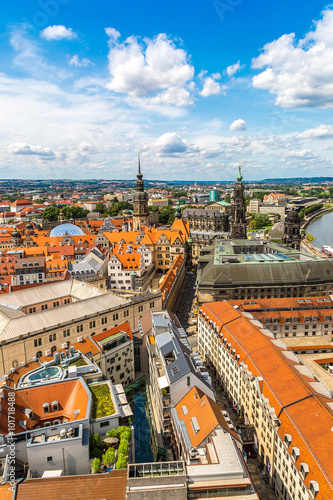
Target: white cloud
<point>211,86</point>
<point>58,32</point>
<point>154,69</point>
<point>75,61</point>
<point>321,132</point>
<point>238,125</point>
<point>171,143</point>
<point>233,69</point>
<point>21,148</point>
<point>28,56</point>
<point>299,73</point>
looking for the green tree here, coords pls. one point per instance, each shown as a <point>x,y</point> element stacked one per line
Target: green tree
<point>51,213</point>
<point>166,215</point>
<point>118,207</point>
<point>95,465</point>
<point>115,200</point>
<point>109,457</point>
<point>100,208</point>
<point>74,212</point>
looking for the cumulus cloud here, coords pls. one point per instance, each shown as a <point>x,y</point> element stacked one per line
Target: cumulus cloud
<point>77,63</point>
<point>171,143</point>
<point>21,148</point>
<point>321,132</point>
<point>58,32</point>
<point>238,125</point>
<point>154,69</point>
<point>299,73</point>
<point>211,86</point>
<point>233,69</point>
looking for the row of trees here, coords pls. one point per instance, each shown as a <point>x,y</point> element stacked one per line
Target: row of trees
<point>310,209</point>
<point>52,212</point>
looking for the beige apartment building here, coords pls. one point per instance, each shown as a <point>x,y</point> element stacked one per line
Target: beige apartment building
<point>41,320</point>
<point>290,412</point>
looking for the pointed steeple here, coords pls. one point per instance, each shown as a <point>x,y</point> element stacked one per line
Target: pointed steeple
<point>139,182</point>
<point>239,176</point>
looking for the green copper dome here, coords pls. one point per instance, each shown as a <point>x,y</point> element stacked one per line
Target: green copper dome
<point>239,176</point>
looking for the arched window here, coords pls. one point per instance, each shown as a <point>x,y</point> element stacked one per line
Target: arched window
<point>53,348</point>
<point>39,354</point>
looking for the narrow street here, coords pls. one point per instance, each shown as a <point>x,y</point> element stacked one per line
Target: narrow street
<point>185,302</point>
<point>184,308</point>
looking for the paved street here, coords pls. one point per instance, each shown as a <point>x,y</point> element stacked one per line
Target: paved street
<point>184,308</point>
<point>185,303</point>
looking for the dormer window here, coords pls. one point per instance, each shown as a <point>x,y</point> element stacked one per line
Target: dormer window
<point>314,488</point>
<point>29,413</point>
<point>295,453</point>
<point>46,407</point>
<point>287,439</point>
<point>304,470</point>
<point>55,405</point>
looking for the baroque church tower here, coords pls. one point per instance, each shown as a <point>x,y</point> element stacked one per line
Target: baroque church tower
<point>140,202</point>
<point>292,230</point>
<point>238,226</point>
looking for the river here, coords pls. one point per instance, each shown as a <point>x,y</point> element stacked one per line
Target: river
<point>322,229</point>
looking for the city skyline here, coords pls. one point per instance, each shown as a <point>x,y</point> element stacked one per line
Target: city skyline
<point>197,88</point>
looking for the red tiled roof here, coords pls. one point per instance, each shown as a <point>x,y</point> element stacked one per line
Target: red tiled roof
<point>109,486</point>
<point>309,421</point>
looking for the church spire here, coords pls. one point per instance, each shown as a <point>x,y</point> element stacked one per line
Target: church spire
<point>239,176</point>
<point>139,182</point>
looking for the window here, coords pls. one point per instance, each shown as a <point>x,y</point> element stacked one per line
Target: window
<point>37,342</point>
<point>140,309</point>
<point>152,305</point>
<point>104,321</point>
<point>56,304</point>
<point>52,336</point>
<point>39,354</point>
<point>117,368</point>
<point>49,459</point>
<point>79,328</point>
<point>126,314</point>
<point>104,424</point>
<point>92,324</point>
<point>53,349</point>
<point>188,381</point>
<point>66,333</point>
<point>32,310</point>
<point>44,307</point>
<point>121,376</point>
<point>115,317</point>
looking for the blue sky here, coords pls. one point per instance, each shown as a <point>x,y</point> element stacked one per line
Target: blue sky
<point>198,87</point>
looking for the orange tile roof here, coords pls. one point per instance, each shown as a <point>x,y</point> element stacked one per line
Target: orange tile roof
<point>206,411</point>
<point>171,276</point>
<point>70,394</point>
<point>124,327</point>
<point>6,493</point>
<point>109,486</point>
<point>310,420</point>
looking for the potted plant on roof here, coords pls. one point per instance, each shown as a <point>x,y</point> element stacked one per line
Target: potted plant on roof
<point>95,465</point>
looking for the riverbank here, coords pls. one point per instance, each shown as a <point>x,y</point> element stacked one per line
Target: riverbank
<point>326,210</point>
<point>320,232</point>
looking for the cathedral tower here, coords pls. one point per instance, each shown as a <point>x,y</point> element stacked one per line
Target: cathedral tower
<point>238,226</point>
<point>292,230</point>
<point>140,202</point>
